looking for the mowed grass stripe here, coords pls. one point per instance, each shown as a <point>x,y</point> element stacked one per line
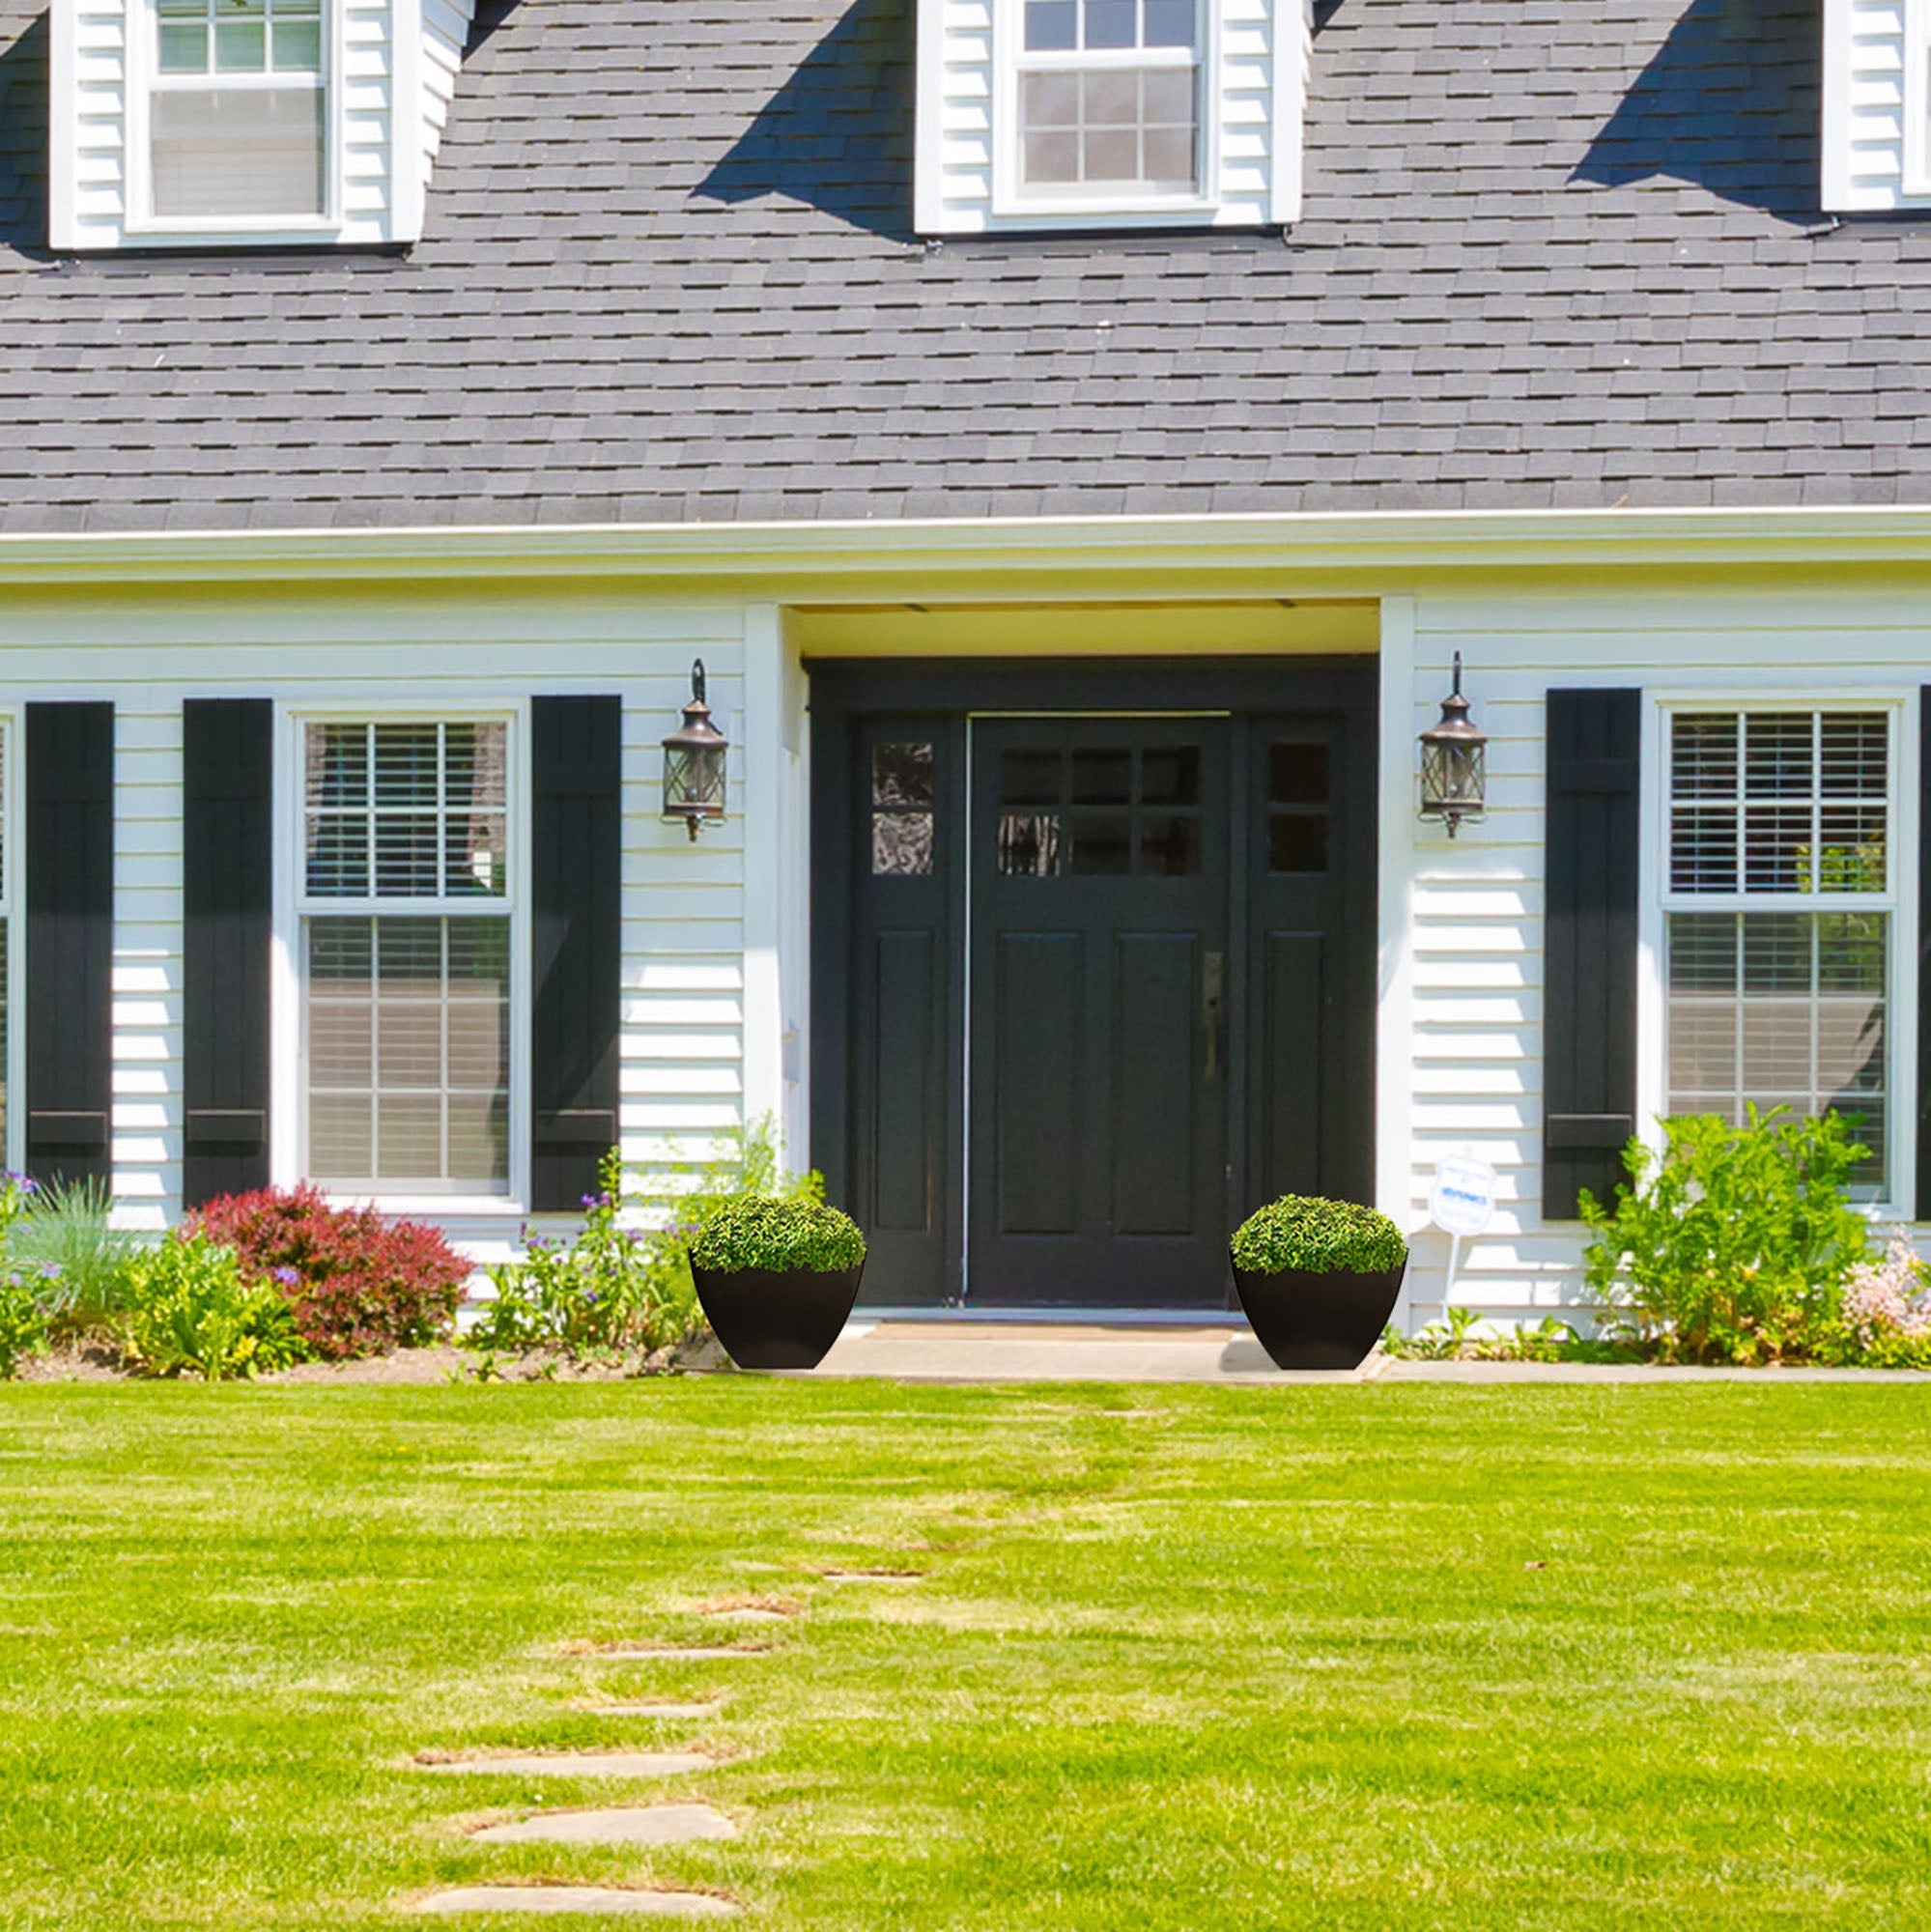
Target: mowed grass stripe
<point>1369,1656</point>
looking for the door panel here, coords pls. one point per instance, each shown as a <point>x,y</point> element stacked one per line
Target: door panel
<point>1154,1070</point>
<point>904,1182</point>
<point>1099,857</point>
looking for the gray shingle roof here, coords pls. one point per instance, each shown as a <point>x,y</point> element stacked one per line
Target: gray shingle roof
<point>1552,254</point>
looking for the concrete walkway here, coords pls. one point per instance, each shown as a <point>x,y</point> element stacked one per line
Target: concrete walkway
<point>961,1349</point>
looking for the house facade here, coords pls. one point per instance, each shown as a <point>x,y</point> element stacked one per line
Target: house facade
<point>1077,438</point>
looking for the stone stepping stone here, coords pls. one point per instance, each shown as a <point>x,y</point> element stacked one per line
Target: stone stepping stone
<point>667,1653</point>
<point>874,1575</point>
<point>628,1825</point>
<point>675,1712</point>
<point>578,1899</point>
<point>576,1764</point>
<point>765,1611</point>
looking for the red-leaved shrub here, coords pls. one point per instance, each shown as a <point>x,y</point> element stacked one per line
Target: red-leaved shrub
<point>357,1284</point>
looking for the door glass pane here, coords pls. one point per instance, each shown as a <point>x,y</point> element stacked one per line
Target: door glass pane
<point>1029,778</point>
<point>1102,844</point>
<point>1297,773</point>
<point>1169,845</point>
<point>1169,774</point>
<point>901,844</point>
<point>1028,845</point>
<point>901,775</point>
<point>1103,777</point>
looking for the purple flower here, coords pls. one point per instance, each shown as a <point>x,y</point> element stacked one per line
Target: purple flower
<point>287,1276</point>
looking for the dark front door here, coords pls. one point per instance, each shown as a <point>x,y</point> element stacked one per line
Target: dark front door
<point>1099,914</point>
<point>1088,988</point>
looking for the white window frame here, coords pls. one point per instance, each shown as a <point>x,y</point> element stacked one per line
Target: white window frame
<point>1010,199</point>
<point>289,1139</point>
<point>1656,900</point>
<point>1916,176</point>
<point>144,73</point>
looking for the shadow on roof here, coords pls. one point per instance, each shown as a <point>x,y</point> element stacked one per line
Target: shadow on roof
<point>838,135</point>
<point>1729,103</point>
<point>23,141</point>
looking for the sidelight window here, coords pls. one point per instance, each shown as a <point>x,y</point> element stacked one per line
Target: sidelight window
<point>901,810</point>
<point>408,944</point>
<point>1780,915</point>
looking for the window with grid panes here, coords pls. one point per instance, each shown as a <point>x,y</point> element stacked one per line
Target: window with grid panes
<point>407,935</point>
<point>1109,97</point>
<point>238,110</point>
<point>1779,909</point>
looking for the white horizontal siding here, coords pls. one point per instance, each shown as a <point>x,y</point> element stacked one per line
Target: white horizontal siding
<point>682,1078</point>
<point>1472,1072</point>
<point>446,33</point>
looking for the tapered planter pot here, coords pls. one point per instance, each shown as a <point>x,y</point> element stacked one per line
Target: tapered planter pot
<point>777,1318</point>
<point>1307,1320</point>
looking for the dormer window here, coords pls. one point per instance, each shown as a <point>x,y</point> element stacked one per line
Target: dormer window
<point>235,124</point>
<point>1108,99</point>
<point>238,112</point>
<point>1036,115</point>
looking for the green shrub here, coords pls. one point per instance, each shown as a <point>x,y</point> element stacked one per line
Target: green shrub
<point>1734,1243</point>
<point>23,1324</point>
<point>1303,1231</point>
<point>618,1285</point>
<point>755,1232</point>
<point>612,1289</point>
<point>67,1237</point>
<point>190,1313</point>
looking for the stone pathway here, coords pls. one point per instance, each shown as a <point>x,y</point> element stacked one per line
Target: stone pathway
<point>575,1764</point>
<point>626,1825</point>
<point>578,1899</point>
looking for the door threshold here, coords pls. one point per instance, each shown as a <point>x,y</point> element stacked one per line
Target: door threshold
<point>1047,1315</point>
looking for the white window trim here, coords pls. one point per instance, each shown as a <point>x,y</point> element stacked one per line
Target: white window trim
<point>1011,203</point>
<point>1916,177</point>
<point>1655,901</point>
<point>253,231</point>
<point>288,1113</point>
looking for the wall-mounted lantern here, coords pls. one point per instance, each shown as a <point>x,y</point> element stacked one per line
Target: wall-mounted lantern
<point>694,762</point>
<point>1454,763</point>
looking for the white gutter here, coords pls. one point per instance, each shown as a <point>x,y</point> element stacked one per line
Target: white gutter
<point>804,553</point>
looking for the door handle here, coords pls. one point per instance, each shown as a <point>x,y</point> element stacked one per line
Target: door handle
<point>1212,1006</point>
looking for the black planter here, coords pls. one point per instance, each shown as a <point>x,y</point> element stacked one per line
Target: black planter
<point>1319,1320</point>
<point>777,1318</point>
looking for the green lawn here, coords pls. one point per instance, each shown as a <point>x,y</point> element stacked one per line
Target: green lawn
<point>1404,1656</point>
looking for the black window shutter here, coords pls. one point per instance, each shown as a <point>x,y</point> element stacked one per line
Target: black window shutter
<point>576,862</point>
<point>1924,1177</point>
<point>227,881</point>
<point>69,899</point>
<point>1589,944</point>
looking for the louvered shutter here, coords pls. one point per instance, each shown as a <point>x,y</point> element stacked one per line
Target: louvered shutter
<point>1589,945</point>
<point>227,882</point>
<point>70,905</point>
